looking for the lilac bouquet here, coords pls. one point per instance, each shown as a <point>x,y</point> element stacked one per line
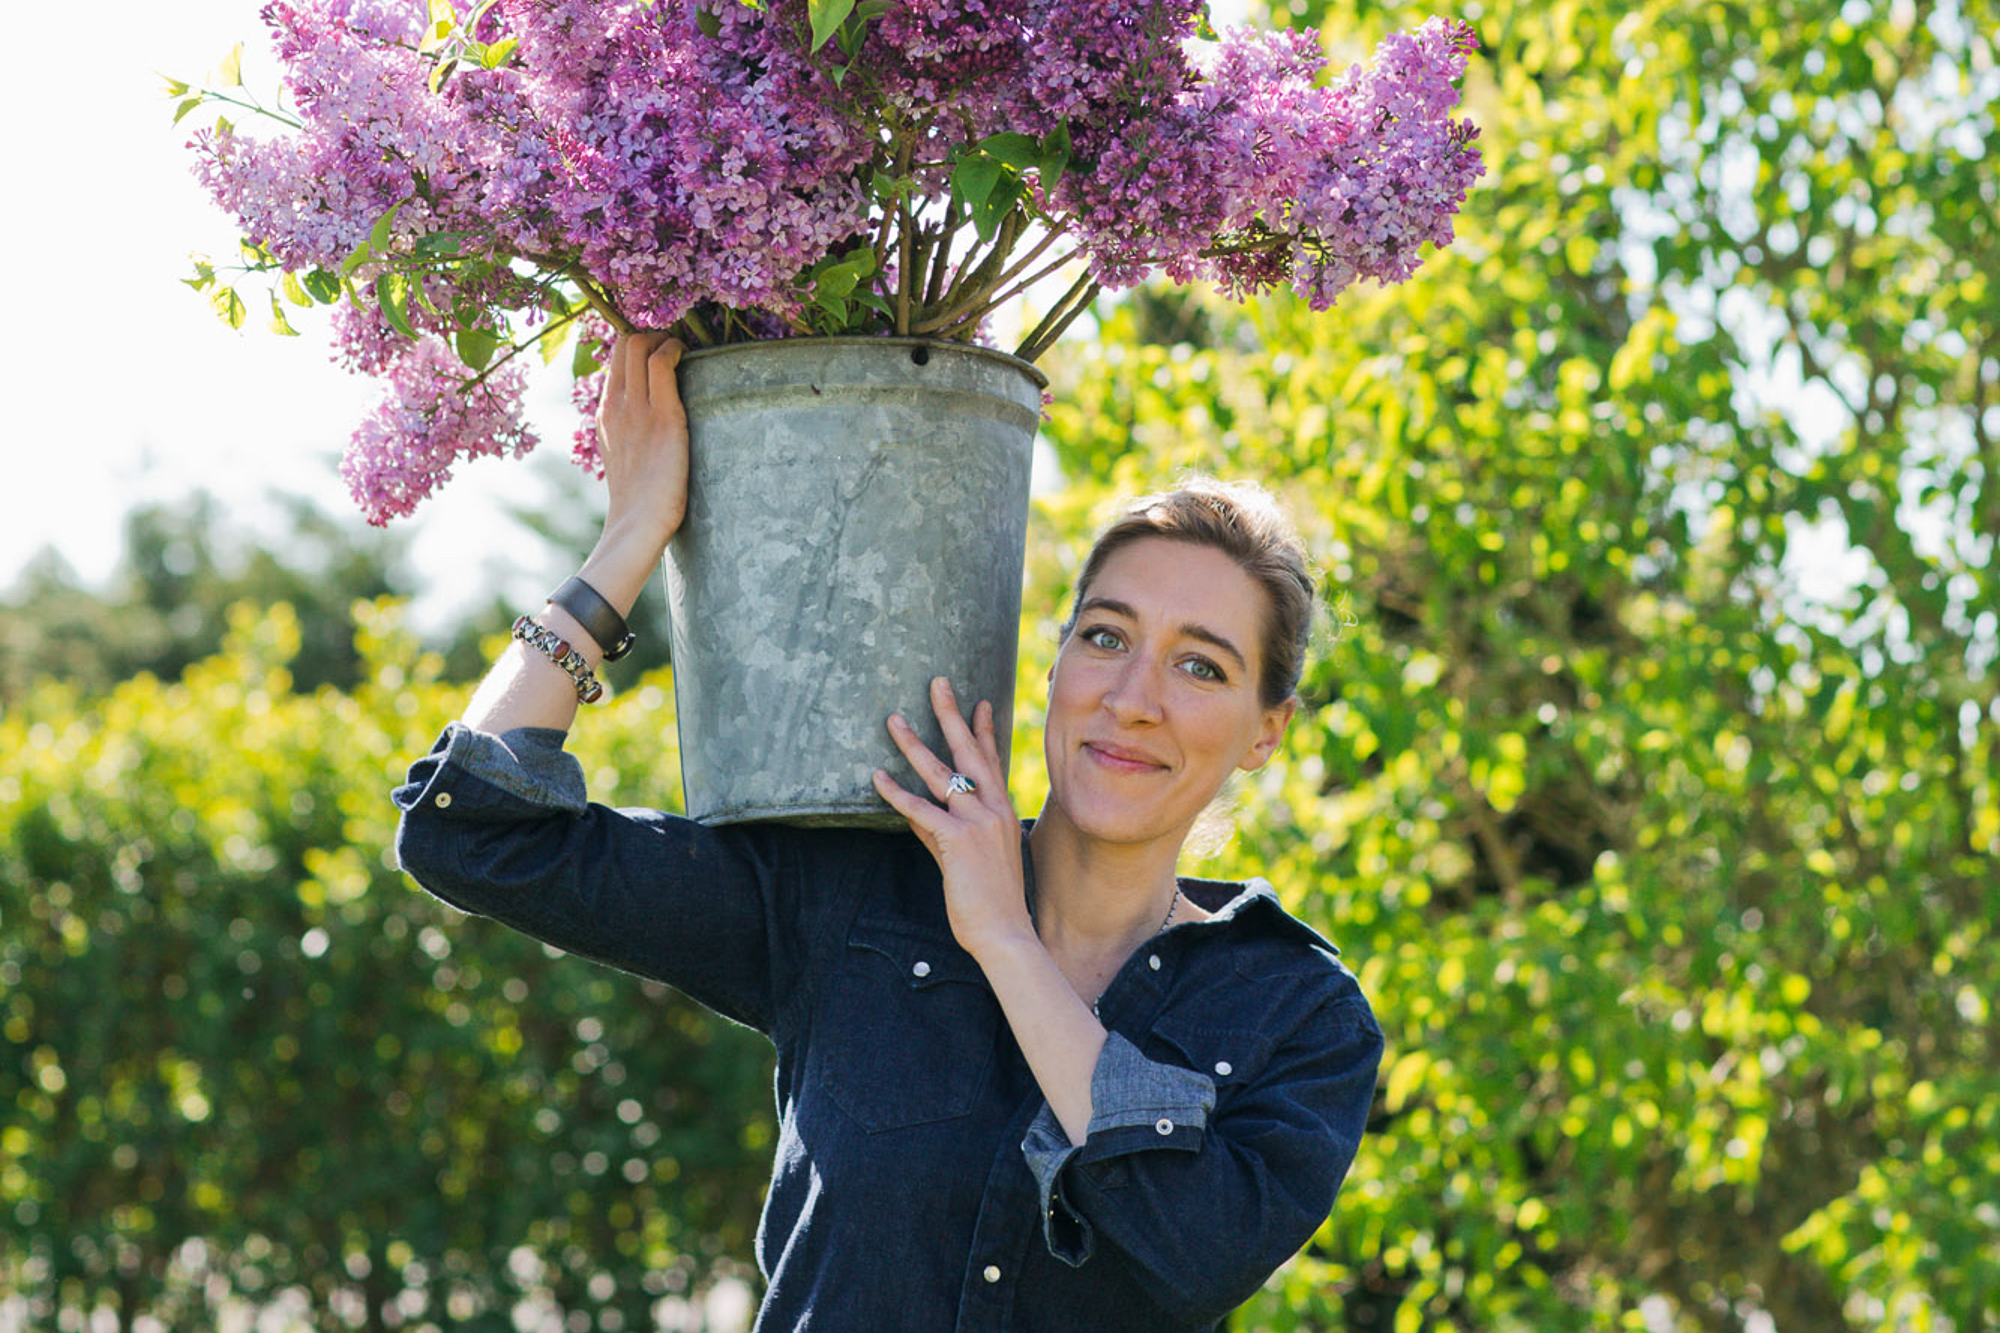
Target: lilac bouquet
<point>467,182</point>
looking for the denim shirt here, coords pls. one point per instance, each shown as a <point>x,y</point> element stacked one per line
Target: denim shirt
<point>921,1182</point>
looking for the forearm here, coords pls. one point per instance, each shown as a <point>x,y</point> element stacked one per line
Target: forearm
<point>526,689</point>
<point>1054,1028</point>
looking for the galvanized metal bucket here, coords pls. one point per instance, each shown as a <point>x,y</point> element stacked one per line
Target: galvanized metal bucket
<point>857,515</point>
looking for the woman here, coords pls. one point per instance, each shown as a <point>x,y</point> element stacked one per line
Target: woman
<point>1025,1081</point>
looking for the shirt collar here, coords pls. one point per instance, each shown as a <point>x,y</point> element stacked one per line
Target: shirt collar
<point>1252,904</point>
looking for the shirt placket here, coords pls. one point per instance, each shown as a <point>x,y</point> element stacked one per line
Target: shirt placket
<point>1007,1225</point>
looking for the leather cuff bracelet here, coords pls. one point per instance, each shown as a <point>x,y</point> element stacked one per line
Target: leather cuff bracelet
<point>598,617</point>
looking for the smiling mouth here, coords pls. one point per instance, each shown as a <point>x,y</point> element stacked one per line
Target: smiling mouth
<point>1121,760</point>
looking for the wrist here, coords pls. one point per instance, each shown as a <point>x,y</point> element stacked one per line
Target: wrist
<point>642,526</point>
<point>1006,944</point>
<point>626,555</point>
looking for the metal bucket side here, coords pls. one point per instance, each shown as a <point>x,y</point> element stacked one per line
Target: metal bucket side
<point>857,514</point>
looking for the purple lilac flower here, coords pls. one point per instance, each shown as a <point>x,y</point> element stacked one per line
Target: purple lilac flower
<point>427,420</point>
<point>694,155</point>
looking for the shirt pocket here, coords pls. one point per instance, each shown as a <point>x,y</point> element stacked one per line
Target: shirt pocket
<point>1232,1056</point>
<point>908,1028</point>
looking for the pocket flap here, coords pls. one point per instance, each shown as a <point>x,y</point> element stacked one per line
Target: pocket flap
<point>1229,1055</point>
<point>920,955</point>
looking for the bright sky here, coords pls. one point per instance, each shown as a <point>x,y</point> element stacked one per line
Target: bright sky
<point>122,386</point>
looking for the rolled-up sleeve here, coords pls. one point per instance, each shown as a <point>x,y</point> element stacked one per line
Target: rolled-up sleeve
<point>499,826</point>
<point>1260,1165</point>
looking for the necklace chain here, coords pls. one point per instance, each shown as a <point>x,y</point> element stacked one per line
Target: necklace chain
<point>1028,885</point>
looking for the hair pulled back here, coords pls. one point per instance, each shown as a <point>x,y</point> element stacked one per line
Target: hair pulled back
<point>1243,521</point>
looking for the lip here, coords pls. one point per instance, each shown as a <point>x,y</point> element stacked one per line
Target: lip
<point>1122,759</point>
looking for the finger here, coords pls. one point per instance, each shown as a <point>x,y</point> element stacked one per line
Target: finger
<point>933,770</point>
<point>923,816</point>
<point>983,730</point>
<point>661,387</point>
<point>634,350</point>
<point>967,755</point>
<point>614,382</point>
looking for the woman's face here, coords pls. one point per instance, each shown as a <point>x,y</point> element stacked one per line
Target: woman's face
<point>1153,698</point>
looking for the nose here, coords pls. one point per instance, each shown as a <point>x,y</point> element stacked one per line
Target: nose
<point>1134,696</point>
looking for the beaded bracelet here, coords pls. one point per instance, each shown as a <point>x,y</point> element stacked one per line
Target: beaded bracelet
<point>552,646</point>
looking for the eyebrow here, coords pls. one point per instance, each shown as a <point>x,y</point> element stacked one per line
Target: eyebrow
<point>1190,629</point>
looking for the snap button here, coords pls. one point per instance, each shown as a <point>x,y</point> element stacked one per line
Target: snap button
<point>992,1273</point>
<point>1223,1068</point>
<point>1164,1125</point>
<point>1153,961</point>
<point>922,969</point>
<point>443,799</point>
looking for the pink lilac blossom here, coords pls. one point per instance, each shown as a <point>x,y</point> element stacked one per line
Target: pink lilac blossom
<point>1256,176</point>
<point>693,156</point>
<point>586,449</point>
<point>427,420</point>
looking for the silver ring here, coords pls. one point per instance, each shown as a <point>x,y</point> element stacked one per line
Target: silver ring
<point>959,782</point>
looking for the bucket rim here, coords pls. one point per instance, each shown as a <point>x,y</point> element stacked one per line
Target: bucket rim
<point>1008,359</point>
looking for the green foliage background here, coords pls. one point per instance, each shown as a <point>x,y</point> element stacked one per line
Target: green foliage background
<point>1668,859</point>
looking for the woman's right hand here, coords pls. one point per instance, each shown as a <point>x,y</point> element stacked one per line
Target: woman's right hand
<point>642,432</point>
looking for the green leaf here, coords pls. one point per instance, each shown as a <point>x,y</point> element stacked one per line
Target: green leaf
<point>324,287</point>
<point>497,52</point>
<point>186,106</point>
<point>1055,157</point>
<point>230,75</point>
<point>1019,151</point>
<point>418,290</point>
<point>175,87</point>
<point>987,213</point>
<point>439,245</point>
<point>204,275</point>
<point>710,25</point>
<point>889,188</point>
<point>973,179</point>
<point>476,347</point>
<point>871,9</point>
<point>228,306</point>
<point>552,342</point>
<point>827,16</point>
<point>379,235</point>
<point>392,291</point>
<point>835,282</point>
<point>584,361</point>
<point>296,294</point>
<point>279,324</point>
<point>441,11</point>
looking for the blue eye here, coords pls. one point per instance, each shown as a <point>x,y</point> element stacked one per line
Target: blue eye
<point>1203,669</point>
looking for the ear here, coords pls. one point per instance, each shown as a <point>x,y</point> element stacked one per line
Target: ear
<point>1270,730</point>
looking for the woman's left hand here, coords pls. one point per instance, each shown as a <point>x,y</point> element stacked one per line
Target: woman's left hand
<point>975,835</point>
